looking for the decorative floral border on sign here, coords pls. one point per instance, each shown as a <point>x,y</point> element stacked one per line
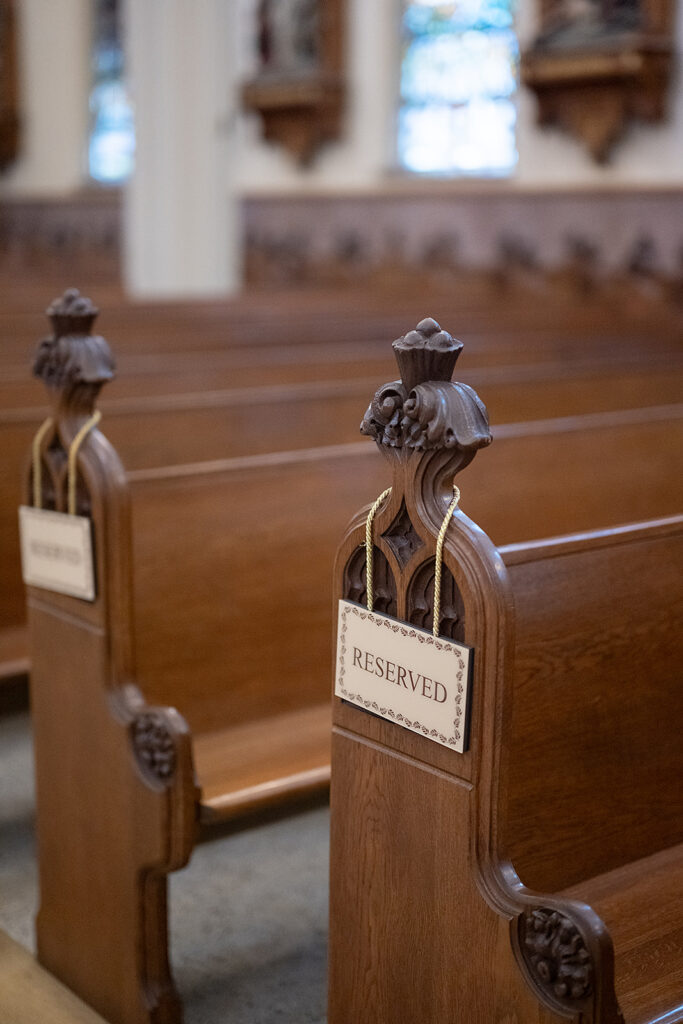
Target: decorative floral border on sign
<point>396,716</point>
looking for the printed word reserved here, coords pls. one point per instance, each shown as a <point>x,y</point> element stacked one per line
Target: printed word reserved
<point>404,674</point>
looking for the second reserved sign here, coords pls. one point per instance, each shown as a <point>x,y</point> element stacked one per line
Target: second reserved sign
<point>404,674</point>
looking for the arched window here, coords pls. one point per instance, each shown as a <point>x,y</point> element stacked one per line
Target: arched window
<point>458,81</point>
<point>112,135</point>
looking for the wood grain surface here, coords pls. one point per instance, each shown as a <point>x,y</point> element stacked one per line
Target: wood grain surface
<point>31,995</point>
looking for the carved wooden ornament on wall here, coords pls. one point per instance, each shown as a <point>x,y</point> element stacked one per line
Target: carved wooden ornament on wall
<point>597,64</point>
<point>9,113</point>
<point>299,89</point>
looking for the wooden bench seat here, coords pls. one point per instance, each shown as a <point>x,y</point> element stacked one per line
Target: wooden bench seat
<point>641,904</point>
<point>14,660</point>
<point>267,760</point>
<point>536,876</point>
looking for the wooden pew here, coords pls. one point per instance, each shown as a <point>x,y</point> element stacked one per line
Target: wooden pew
<point>537,875</point>
<point>193,336</point>
<point>654,434</point>
<point>158,430</point>
<point>246,668</point>
<point>168,430</point>
<point>29,994</point>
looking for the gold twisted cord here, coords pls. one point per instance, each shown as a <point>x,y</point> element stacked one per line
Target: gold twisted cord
<point>369,548</point>
<point>37,462</point>
<point>73,455</point>
<point>439,559</point>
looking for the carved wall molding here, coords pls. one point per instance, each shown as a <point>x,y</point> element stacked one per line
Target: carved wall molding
<point>299,88</point>
<point>599,66</point>
<point>568,243</point>
<point>9,87</point>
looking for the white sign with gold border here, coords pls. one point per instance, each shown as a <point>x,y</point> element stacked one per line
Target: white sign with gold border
<point>57,552</point>
<point>404,674</point>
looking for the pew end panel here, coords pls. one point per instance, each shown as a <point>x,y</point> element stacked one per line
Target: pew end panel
<point>420,905</point>
<point>429,918</point>
<point>112,774</point>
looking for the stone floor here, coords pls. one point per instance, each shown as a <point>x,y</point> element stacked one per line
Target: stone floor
<point>248,916</point>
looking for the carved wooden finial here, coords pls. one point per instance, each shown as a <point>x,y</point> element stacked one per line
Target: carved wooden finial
<point>74,359</point>
<point>72,313</point>
<point>426,410</point>
<point>427,353</point>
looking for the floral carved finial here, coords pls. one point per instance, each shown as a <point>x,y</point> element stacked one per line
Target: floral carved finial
<point>72,313</point>
<point>427,353</point>
<point>425,410</point>
<point>73,355</point>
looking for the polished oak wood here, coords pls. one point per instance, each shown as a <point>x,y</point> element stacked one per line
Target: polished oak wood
<point>570,785</point>
<point>210,701</point>
<point>31,995</point>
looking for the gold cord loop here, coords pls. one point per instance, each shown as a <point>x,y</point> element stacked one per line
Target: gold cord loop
<point>73,455</point>
<point>368,547</point>
<point>439,559</point>
<point>37,462</point>
<point>36,450</point>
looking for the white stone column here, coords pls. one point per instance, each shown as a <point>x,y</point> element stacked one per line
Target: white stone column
<point>181,228</point>
<point>54,48</point>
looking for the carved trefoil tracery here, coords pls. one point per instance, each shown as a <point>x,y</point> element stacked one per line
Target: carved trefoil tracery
<point>420,602</point>
<point>384,584</point>
<point>402,537</point>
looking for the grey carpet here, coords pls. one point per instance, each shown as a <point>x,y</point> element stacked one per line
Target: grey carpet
<point>248,916</point>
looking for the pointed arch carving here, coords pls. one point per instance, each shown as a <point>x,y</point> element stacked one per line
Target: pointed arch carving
<point>385,596</point>
<point>420,602</point>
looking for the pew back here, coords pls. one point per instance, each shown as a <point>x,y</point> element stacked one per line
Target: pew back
<point>236,527</point>
<point>596,759</point>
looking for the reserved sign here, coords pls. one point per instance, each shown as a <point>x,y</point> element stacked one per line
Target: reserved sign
<point>404,674</point>
<point>56,552</point>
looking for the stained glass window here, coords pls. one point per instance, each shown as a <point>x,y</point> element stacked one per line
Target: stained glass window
<point>458,81</point>
<point>112,134</point>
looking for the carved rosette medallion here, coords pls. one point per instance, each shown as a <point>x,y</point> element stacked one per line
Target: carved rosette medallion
<point>153,746</point>
<point>556,956</point>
